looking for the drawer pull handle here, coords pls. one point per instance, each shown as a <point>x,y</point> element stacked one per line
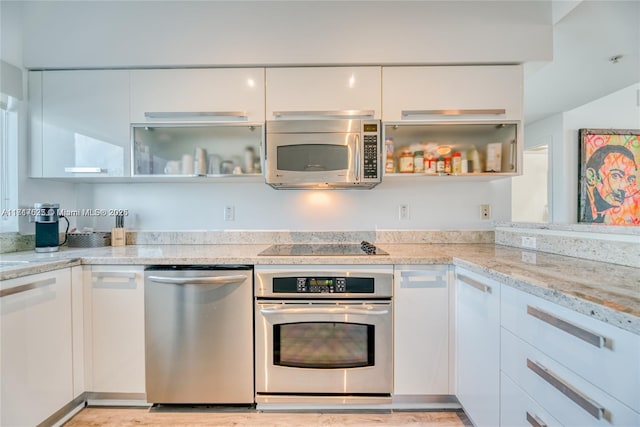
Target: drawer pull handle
<point>475,112</point>
<point>474,283</point>
<point>27,287</point>
<point>593,408</point>
<point>79,169</point>
<point>340,114</point>
<point>115,274</point>
<point>195,115</point>
<point>535,421</point>
<point>585,335</point>
<point>417,277</point>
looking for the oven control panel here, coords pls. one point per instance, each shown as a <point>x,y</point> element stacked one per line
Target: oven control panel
<point>322,285</point>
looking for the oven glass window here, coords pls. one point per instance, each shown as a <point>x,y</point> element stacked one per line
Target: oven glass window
<point>313,157</point>
<point>323,345</point>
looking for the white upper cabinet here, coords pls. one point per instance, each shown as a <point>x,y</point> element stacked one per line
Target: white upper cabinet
<point>323,92</point>
<point>79,123</point>
<point>452,93</point>
<point>197,95</point>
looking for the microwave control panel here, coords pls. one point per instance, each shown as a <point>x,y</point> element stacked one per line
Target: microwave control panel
<point>370,139</point>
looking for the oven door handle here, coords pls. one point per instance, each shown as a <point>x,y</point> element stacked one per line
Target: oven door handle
<point>205,280</point>
<point>324,310</point>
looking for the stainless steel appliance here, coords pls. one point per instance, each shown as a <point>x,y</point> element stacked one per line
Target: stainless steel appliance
<point>199,334</point>
<point>324,334</point>
<point>323,249</point>
<point>331,154</point>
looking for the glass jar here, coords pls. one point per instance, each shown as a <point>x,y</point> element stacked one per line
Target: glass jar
<point>447,164</point>
<point>456,163</point>
<point>406,162</point>
<point>418,162</point>
<point>389,165</point>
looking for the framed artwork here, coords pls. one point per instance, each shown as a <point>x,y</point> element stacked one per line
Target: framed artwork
<point>609,191</point>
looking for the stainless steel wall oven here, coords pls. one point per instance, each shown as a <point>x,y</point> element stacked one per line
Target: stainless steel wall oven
<point>323,333</point>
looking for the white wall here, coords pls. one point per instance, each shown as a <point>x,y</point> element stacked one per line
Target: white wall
<point>67,34</point>
<point>432,205</point>
<point>619,110</point>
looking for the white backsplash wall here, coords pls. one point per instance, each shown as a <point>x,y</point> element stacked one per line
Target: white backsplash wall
<point>194,206</point>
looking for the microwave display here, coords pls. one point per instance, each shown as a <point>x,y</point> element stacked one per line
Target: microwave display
<point>312,157</point>
<point>370,127</point>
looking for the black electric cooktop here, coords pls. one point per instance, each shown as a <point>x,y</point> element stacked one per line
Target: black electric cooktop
<point>323,249</point>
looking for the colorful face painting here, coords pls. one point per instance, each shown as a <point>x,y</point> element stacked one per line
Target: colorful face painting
<point>609,188</point>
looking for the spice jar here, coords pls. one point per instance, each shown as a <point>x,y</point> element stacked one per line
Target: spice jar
<point>418,162</point>
<point>440,165</point>
<point>406,162</point>
<point>447,164</point>
<point>389,163</point>
<point>456,163</point>
<point>429,164</point>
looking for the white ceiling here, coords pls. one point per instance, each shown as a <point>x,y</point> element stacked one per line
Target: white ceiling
<point>586,34</point>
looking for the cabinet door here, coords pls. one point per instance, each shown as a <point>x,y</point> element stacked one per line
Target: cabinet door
<point>115,336</point>
<point>36,347</point>
<point>328,92</point>
<point>197,95</point>
<point>421,330</point>
<point>84,124</point>
<point>601,353</point>
<point>478,347</point>
<point>452,92</point>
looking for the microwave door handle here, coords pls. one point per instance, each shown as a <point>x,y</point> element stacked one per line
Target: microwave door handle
<point>357,159</point>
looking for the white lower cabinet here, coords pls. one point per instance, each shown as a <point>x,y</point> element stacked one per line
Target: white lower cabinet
<point>114,329</point>
<point>566,396</point>
<point>36,347</point>
<point>517,409</point>
<point>478,347</point>
<point>422,345</point>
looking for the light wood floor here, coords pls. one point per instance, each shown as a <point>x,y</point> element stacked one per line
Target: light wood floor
<point>122,417</point>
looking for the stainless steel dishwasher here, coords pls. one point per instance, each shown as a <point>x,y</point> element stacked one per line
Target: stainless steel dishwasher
<point>199,334</point>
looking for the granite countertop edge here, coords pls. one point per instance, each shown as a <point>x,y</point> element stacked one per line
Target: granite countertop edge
<point>498,266</point>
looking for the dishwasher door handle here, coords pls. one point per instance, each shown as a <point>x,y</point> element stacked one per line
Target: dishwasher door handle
<point>204,280</point>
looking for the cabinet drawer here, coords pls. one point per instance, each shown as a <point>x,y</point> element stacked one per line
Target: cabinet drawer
<point>567,397</point>
<point>602,354</point>
<point>517,408</point>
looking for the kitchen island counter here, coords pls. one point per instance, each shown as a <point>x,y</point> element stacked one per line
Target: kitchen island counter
<point>607,292</point>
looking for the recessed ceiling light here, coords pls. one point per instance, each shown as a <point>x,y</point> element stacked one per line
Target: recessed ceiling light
<point>615,59</point>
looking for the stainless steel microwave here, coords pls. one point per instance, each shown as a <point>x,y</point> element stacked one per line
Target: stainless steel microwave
<point>323,154</point>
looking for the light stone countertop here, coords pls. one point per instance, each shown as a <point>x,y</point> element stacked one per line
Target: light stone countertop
<point>607,292</point>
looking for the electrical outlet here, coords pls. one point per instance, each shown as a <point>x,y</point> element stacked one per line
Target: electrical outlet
<point>485,211</point>
<point>529,242</point>
<point>403,212</point>
<point>229,213</point>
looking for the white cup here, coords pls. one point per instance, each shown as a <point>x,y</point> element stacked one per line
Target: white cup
<point>187,164</point>
<point>173,167</point>
<point>214,164</point>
